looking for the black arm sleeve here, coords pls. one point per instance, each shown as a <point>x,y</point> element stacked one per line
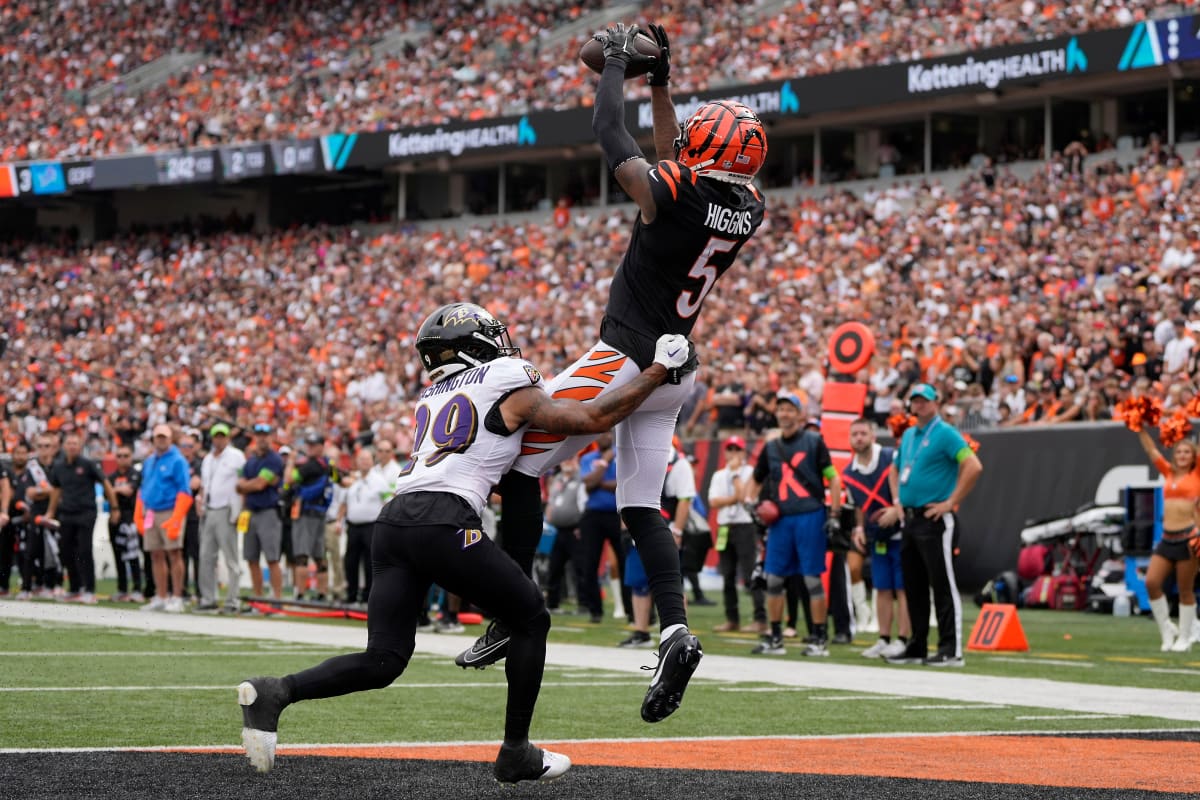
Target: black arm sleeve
<point>608,117</point>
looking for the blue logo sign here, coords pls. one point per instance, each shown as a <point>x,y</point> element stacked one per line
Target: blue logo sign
<point>1142,50</point>
<point>47,178</point>
<point>336,149</point>
<point>1076,58</point>
<point>789,103</point>
<point>526,135</point>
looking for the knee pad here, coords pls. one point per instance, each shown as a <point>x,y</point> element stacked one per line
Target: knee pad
<point>775,585</point>
<point>816,589</point>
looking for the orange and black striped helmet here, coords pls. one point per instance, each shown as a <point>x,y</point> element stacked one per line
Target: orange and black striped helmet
<point>723,140</point>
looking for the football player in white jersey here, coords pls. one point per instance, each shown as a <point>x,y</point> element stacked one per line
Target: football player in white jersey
<point>469,423</point>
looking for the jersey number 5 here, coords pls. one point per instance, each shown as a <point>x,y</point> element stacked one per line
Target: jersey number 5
<point>689,302</point>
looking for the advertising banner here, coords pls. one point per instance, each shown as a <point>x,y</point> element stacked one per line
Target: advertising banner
<point>296,156</point>
<point>245,161</point>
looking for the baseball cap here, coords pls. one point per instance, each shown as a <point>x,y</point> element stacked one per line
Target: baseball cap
<point>788,397</point>
<point>312,437</point>
<point>163,429</point>
<point>285,450</point>
<point>813,422</point>
<point>220,429</point>
<point>923,390</point>
<point>735,441</point>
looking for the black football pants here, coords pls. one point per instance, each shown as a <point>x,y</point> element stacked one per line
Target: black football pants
<point>926,561</point>
<point>406,561</point>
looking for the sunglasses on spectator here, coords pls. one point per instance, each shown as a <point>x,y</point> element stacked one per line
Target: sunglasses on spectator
<point>262,428</point>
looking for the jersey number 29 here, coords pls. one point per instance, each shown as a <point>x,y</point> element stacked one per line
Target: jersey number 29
<point>452,430</point>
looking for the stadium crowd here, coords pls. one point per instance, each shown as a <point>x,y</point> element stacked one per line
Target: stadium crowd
<point>307,67</point>
<point>1025,301</point>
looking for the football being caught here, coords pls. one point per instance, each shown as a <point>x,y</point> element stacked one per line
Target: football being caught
<point>592,54</point>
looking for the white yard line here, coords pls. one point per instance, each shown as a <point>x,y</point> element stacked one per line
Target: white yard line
<point>953,707</point>
<point>913,682</point>
<point>500,684</point>
<point>1073,716</point>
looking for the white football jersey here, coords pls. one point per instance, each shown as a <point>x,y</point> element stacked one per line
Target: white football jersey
<point>453,451</point>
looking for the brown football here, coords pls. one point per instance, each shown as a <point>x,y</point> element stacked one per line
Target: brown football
<point>592,54</point>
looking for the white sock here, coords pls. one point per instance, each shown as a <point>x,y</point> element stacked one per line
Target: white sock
<point>858,592</point>
<point>614,587</point>
<point>1162,615</point>
<point>1187,618</point>
<point>668,631</point>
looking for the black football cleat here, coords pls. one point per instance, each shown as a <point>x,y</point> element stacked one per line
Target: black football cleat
<point>678,658</point>
<point>529,763</point>
<point>488,649</point>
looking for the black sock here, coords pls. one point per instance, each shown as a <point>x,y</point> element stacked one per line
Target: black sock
<point>356,672</point>
<point>776,630</point>
<point>520,518</point>
<point>820,630</point>
<point>660,557</point>
<point>523,668</point>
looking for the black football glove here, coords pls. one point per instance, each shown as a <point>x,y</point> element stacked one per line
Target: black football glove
<point>661,74</point>
<point>839,540</point>
<point>758,578</point>
<point>618,43</point>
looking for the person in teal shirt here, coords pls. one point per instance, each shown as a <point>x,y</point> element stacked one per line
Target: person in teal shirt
<point>934,470</point>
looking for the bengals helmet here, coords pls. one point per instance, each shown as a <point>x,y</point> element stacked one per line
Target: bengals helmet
<point>459,336</point>
<point>723,140</point>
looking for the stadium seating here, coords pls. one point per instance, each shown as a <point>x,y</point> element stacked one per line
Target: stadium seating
<point>1039,288</point>
<point>309,67</point>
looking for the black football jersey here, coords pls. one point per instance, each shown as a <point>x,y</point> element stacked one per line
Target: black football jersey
<point>673,263</point>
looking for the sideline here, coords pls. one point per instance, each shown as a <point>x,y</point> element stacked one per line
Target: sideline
<point>915,682</point>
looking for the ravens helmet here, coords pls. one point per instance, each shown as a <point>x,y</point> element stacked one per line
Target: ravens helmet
<point>459,336</point>
<point>724,140</point>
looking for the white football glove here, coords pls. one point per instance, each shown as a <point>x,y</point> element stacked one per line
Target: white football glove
<point>674,352</point>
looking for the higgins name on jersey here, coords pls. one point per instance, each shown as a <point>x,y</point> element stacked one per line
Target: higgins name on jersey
<point>725,220</point>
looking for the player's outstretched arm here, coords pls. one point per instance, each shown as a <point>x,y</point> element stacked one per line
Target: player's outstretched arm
<point>624,156</point>
<point>666,124</point>
<point>534,406</point>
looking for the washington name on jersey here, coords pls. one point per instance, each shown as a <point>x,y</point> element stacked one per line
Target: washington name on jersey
<point>672,263</point>
<point>454,449</point>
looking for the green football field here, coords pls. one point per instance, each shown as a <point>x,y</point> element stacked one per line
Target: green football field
<point>75,685</point>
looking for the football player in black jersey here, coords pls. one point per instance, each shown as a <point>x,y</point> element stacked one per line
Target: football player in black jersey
<point>696,208</point>
<point>468,426</point>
